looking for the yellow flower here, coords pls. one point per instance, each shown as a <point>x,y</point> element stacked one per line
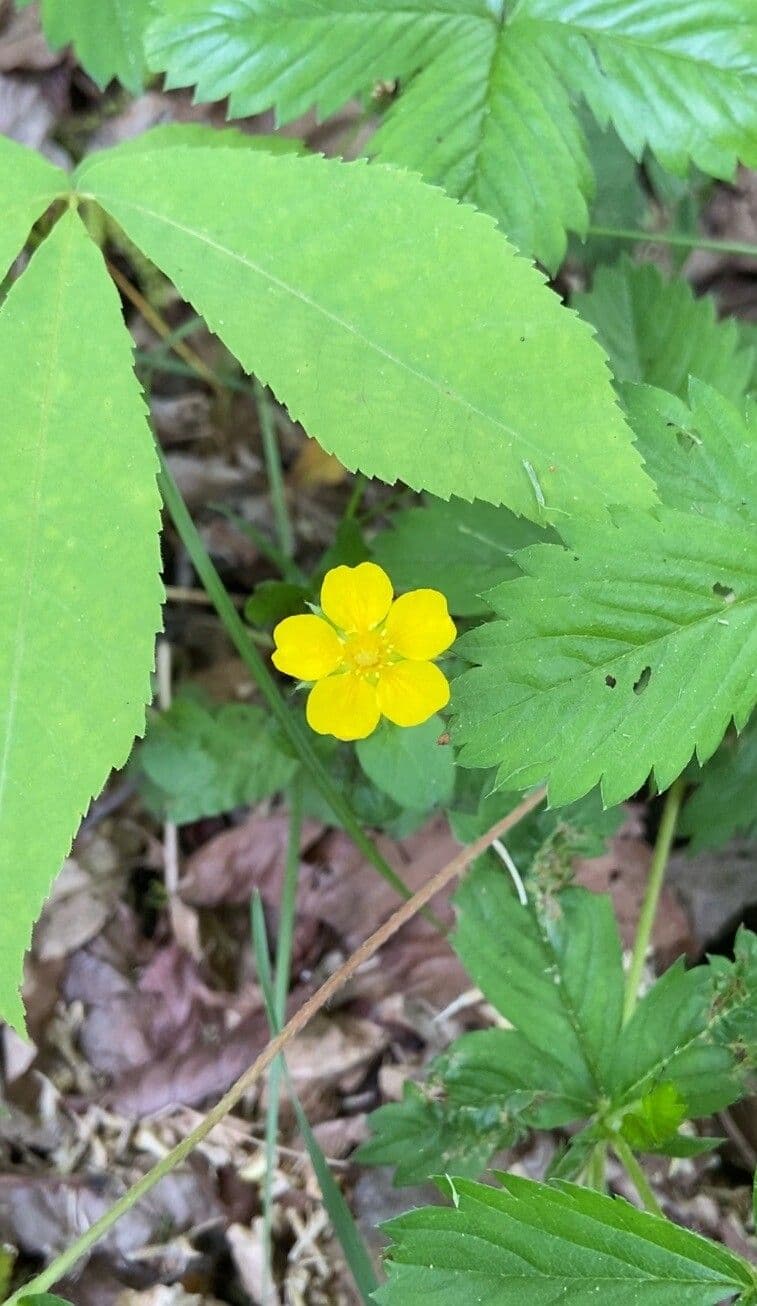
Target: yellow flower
<point>369,656</point>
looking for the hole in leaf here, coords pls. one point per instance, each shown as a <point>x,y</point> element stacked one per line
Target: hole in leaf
<point>686,439</point>
<point>725,592</point>
<point>643,681</point>
<point>611,681</point>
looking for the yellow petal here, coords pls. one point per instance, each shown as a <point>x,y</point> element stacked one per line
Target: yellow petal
<point>419,625</point>
<point>306,648</point>
<point>356,598</point>
<point>410,692</point>
<point>344,705</point>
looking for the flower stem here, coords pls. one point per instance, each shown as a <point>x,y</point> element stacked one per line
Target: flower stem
<point>68,1259</point>
<point>637,1176</point>
<point>663,844</point>
<point>258,669</point>
<point>680,239</point>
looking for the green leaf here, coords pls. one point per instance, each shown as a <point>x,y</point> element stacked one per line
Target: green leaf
<point>169,135</point>
<point>552,968</point>
<point>656,331</point>
<point>195,762</point>
<point>620,200</point>
<point>43,1299</point>
<point>447,394</point>
<point>80,532</point>
<point>459,548</point>
<point>410,765</point>
<point>29,185</point>
<point>723,803</point>
<point>542,1244</point>
<point>655,1118</point>
<point>107,36</point>
<point>702,458</point>
<point>272,600</point>
<point>625,652</point>
<point>583,829</point>
<point>488,91</point>
<point>421,1136</point>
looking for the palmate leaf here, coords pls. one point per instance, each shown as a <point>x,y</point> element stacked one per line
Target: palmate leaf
<point>487,110</point>
<point>447,394</point>
<point>29,185</point>
<point>107,36</point>
<point>547,1243</point>
<point>626,651</point>
<point>657,332</point>
<point>80,531</point>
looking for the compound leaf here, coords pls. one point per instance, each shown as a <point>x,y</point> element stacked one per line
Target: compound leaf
<point>447,394</point>
<point>624,653</point>
<point>546,1243</point>
<point>656,331</point>
<point>107,36</point>
<point>487,106</point>
<point>29,185</point>
<point>80,532</point>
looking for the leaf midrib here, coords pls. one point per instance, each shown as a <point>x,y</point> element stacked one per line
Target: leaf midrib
<point>596,36</point>
<point>520,439</point>
<point>34,533</point>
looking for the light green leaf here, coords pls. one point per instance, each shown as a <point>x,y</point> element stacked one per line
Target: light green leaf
<point>195,762</point>
<point>552,968</point>
<point>488,90</point>
<point>107,36</point>
<point>29,185</point>
<point>723,804</point>
<point>620,656</point>
<point>656,331</point>
<point>542,1244</point>
<point>410,765</point>
<point>80,532</point>
<point>703,458</point>
<point>447,394</point>
<point>459,548</point>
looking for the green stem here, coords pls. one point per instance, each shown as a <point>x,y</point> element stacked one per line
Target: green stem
<point>272,455</point>
<point>637,1176</point>
<point>663,845</point>
<point>258,669</point>
<point>284,941</point>
<point>595,1174</point>
<point>681,239</point>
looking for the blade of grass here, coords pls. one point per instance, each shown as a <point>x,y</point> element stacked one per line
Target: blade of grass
<point>343,1223</point>
<point>278,1010</point>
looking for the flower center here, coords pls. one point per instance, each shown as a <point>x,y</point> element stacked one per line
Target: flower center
<point>367,652</point>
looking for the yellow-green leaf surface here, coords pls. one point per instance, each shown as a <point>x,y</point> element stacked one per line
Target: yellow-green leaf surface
<point>28,186</point>
<point>400,327</point>
<point>79,586</point>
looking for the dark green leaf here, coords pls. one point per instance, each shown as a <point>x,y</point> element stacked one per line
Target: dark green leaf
<point>657,332</point>
<point>410,765</point>
<point>459,548</point>
<point>195,762</point>
<point>553,969</point>
<point>272,600</point>
<point>724,803</point>
<point>541,1244</point>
